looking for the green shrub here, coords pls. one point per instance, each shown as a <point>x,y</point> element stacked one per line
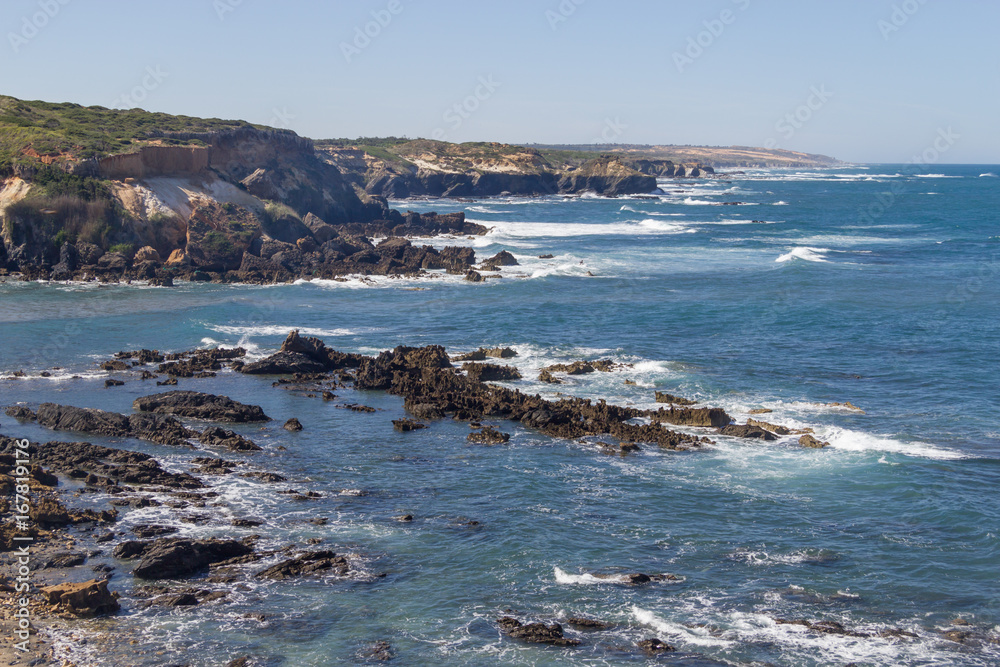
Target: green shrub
<point>126,249</point>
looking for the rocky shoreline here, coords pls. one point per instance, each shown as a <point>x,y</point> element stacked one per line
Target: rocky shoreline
<point>173,571</point>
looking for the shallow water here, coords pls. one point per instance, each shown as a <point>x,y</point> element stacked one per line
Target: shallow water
<point>895,525</point>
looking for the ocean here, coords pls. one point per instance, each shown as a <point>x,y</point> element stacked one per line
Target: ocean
<point>875,285</point>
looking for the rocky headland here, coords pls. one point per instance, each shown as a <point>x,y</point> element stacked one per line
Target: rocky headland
<point>94,194</point>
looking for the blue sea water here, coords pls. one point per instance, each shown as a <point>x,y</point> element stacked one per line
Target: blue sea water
<point>876,285</point>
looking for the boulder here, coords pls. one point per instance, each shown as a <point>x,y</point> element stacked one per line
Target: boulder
<point>113,261</point>
<point>178,257</point>
<point>320,230</point>
<point>293,424</point>
<point>502,258</point>
<point>86,599</point>
<point>147,254</point>
<point>811,442</point>
<point>89,253</point>
<point>200,406</point>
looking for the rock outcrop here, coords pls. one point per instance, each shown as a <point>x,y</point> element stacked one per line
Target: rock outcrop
<point>84,600</point>
<point>200,406</point>
<point>169,558</point>
<point>154,428</point>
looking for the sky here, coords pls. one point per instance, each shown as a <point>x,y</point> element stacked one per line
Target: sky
<point>860,80</point>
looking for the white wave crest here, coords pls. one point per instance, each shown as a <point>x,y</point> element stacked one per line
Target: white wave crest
<point>272,330</point>
<point>698,636</point>
<point>805,253</point>
<point>563,577</point>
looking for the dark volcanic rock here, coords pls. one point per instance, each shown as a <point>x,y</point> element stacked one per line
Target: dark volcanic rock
<point>535,633</point>
<point>664,397</point>
<point>307,563</point>
<point>431,388</point>
<point>490,372</point>
<point>200,406</point>
<point>581,623</point>
<point>284,363</point>
<point>488,436</point>
<point>103,466</point>
<point>293,424</point>
<point>502,258</point>
<point>220,437</point>
<point>809,441</point>
<point>405,425</point>
<point>483,353</point>
<point>20,413</point>
<point>654,646</point>
<point>715,417</point>
<point>380,651</point>
<point>747,431</point>
<point>168,558</point>
<point>162,430</point>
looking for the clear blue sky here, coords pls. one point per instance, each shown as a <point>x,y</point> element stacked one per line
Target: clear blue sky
<point>609,69</point>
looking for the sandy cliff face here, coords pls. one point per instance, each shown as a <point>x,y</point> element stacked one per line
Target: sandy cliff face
<point>154,191</point>
<point>151,161</point>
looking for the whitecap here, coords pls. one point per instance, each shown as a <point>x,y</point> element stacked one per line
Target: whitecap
<point>274,330</point>
<point>858,441</point>
<point>698,636</point>
<point>988,174</point>
<point>563,577</point>
<point>805,253</point>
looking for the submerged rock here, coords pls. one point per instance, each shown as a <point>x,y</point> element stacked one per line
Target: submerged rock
<point>405,425</point>
<point>581,623</point>
<point>488,436</point>
<point>654,645</point>
<point>535,633</point>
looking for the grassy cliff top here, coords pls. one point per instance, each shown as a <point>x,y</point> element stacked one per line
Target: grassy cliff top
<point>716,156</point>
<point>34,131</point>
